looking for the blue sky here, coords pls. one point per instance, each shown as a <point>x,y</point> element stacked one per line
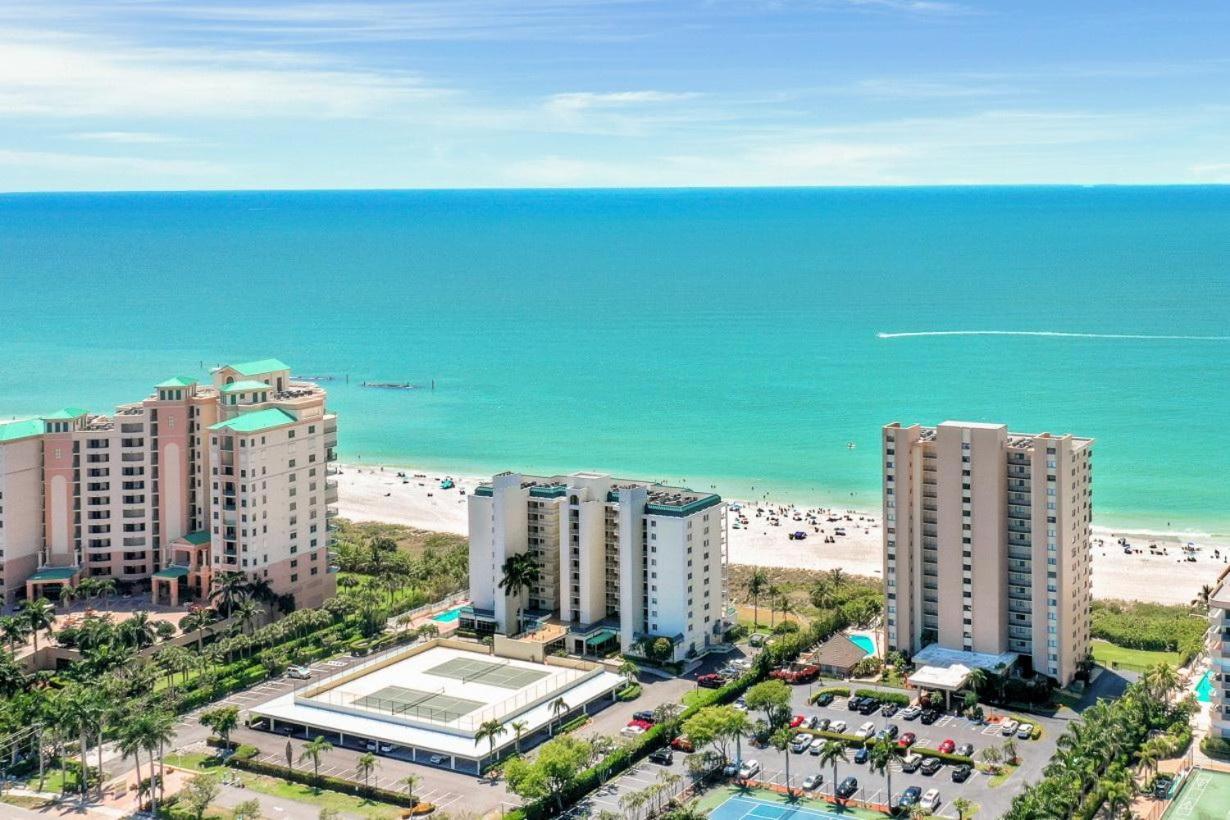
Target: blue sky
<point>157,94</point>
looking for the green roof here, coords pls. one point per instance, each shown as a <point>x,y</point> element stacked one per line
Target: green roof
<point>258,367</point>
<point>67,413</point>
<point>53,574</point>
<point>255,422</point>
<point>240,387</point>
<point>177,381</point>
<point>199,537</point>
<point>13,430</point>
<point>173,571</point>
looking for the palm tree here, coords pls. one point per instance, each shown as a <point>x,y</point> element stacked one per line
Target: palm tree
<point>976,679</point>
<point>785,607</point>
<point>1201,601</point>
<point>105,588</point>
<point>130,746</point>
<point>228,587</point>
<point>629,670</point>
<point>837,577</point>
<point>491,730</point>
<point>14,629</point>
<point>81,710</point>
<point>1008,747</point>
<point>365,767</point>
<point>880,758</point>
<point>38,614</point>
<point>245,613</point>
<point>410,781</point>
<point>312,751</point>
<point>67,594</point>
<point>558,706</point>
<point>519,726</point>
<point>157,730</point>
<point>757,585</point>
<point>781,741</point>
<point>1161,680</point>
<point>963,807</point>
<point>774,591</point>
<point>831,752</point>
<point>195,621</point>
<point>138,630</point>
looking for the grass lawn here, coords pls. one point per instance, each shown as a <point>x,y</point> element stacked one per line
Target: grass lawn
<point>276,787</point>
<point>1137,660</point>
<point>1005,771</point>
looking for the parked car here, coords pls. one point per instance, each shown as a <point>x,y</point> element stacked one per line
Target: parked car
<point>838,727</point>
<point>854,703</point>
<point>800,743</point>
<point>644,715</point>
<point>847,787</point>
<point>812,782</point>
<point>888,709</point>
<point>911,712</point>
<point>868,706</point>
<point>931,765</point>
<point>930,800</point>
<point>948,746</point>
<point>866,730</point>
<point>1161,786</point>
<point>385,748</point>
<point>928,716</point>
<point>966,749</point>
<point>910,763</point>
<point>663,756</point>
<point>822,724</point>
<point>1025,731</point>
<point>961,773</point>
<point>907,740</point>
<point>370,745</point>
<point>813,721</point>
<point>862,754</point>
<point>889,732</point>
<point>711,681</point>
<point>796,721</point>
<point>632,730</point>
<point>817,745</point>
<point>749,769</point>
<point>1009,727</point>
<point>436,760</point>
<point>299,672</point>
<point>825,699</point>
<point>909,797</point>
<point>741,704</point>
<point>732,768</point>
<point>682,744</point>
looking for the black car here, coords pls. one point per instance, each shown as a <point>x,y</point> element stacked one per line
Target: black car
<point>888,709</point>
<point>868,706</point>
<point>644,715</point>
<point>825,699</point>
<point>931,765</point>
<point>889,732</point>
<point>966,750</point>
<point>961,773</point>
<point>1161,787</point>
<point>929,716</point>
<point>847,787</point>
<point>822,724</point>
<point>909,797</point>
<point>664,756</point>
<point>854,704</point>
<point>862,754</point>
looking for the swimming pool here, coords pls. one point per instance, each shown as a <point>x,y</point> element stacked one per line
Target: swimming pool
<point>1204,689</point>
<point>449,616</point>
<point>865,643</point>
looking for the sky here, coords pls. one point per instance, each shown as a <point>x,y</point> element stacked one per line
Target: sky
<point>161,94</point>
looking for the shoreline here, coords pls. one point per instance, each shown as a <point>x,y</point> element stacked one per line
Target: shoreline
<point>375,492</point>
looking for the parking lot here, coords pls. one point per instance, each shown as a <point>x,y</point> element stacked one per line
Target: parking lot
<point>1034,755</point>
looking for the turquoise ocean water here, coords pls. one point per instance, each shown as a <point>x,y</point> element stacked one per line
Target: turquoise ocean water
<point>715,337</point>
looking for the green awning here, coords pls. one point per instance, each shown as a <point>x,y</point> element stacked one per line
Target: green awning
<point>173,571</point>
<point>258,367</point>
<point>246,387</point>
<point>256,422</point>
<point>54,574</point>
<point>600,637</point>
<point>196,538</point>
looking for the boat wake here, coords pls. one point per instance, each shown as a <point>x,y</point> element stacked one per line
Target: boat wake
<point>1051,333</point>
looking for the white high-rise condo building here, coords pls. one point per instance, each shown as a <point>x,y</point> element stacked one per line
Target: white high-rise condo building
<point>619,562</point>
<point>987,543</point>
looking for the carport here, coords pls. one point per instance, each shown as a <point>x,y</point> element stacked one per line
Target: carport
<point>946,679</point>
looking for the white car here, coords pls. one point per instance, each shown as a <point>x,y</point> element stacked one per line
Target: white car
<point>910,712</point>
<point>812,782</point>
<point>866,730</point>
<point>800,743</point>
<point>817,745</point>
<point>1009,727</point>
<point>838,727</point>
<point>1025,731</point>
<point>632,731</point>
<point>930,800</point>
<point>300,672</point>
<point>749,769</point>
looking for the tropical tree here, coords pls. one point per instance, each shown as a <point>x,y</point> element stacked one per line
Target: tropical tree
<point>785,607</point>
<point>221,720</point>
<point>830,753</point>
<point>771,697</point>
<point>38,614</point>
<point>757,585</point>
<point>1008,747</point>
<point>198,793</point>
<point>963,807</point>
<point>629,670</point>
<point>248,810</point>
<point>138,631</point>
<point>490,730</point>
<point>365,766</point>
<point>558,706</point>
<point>312,751</point>
<point>409,782</point>
<point>66,596</point>
<point>105,588</point>
<point>1201,601</point>
<point>195,621</point>
<point>157,730</point>
<point>14,629</point>
<point>228,588</point>
<point>519,727</point>
<point>781,741</point>
<point>992,757</point>
<point>774,591</point>
<point>81,710</point>
<point>881,757</point>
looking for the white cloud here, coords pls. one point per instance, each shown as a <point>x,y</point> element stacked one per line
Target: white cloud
<point>1211,171</point>
<point>77,163</point>
<point>585,100</point>
<point>124,137</point>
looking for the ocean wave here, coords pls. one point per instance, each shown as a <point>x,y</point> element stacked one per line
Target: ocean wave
<point>1051,333</point>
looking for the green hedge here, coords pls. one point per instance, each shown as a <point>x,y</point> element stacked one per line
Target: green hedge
<point>835,691</point>
<point>629,693</point>
<point>336,784</point>
<point>944,756</point>
<point>898,698</point>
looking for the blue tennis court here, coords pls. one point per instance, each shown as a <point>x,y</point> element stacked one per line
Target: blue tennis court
<point>740,806</point>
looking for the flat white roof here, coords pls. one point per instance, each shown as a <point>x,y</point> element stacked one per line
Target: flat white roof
<point>936,655</point>
<point>335,709</point>
<point>940,677</point>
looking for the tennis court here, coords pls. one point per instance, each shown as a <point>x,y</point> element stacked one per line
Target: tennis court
<point>1205,796</point>
<point>503,675</point>
<point>398,700</point>
<point>742,806</point>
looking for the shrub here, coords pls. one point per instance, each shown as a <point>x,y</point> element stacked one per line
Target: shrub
<point>867,667</point>
<point>1216,747</point>
<point>1153,627</point>
<point>835,691</point>
<point>785,627</point>
<point>629,693</point>
<point>336,784</point>
<point>246,751</point>
<point>897,698</point>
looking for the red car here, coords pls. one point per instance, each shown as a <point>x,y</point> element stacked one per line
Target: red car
<point>683,744</point>
<point>711,681</point>
<point>948,746</point>
<point>644,724</point>
<point>906,740</point>
<point>796,721</point>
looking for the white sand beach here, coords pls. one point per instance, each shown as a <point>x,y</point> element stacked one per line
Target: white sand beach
<point>373,493</point>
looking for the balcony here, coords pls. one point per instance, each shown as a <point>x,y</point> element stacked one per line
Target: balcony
<point>330,512</point>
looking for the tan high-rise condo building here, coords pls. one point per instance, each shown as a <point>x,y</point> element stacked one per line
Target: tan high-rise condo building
<point>987,544</point>
<point>194,480</point>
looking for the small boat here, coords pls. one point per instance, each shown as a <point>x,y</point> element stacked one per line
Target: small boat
<point>446,484</point>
